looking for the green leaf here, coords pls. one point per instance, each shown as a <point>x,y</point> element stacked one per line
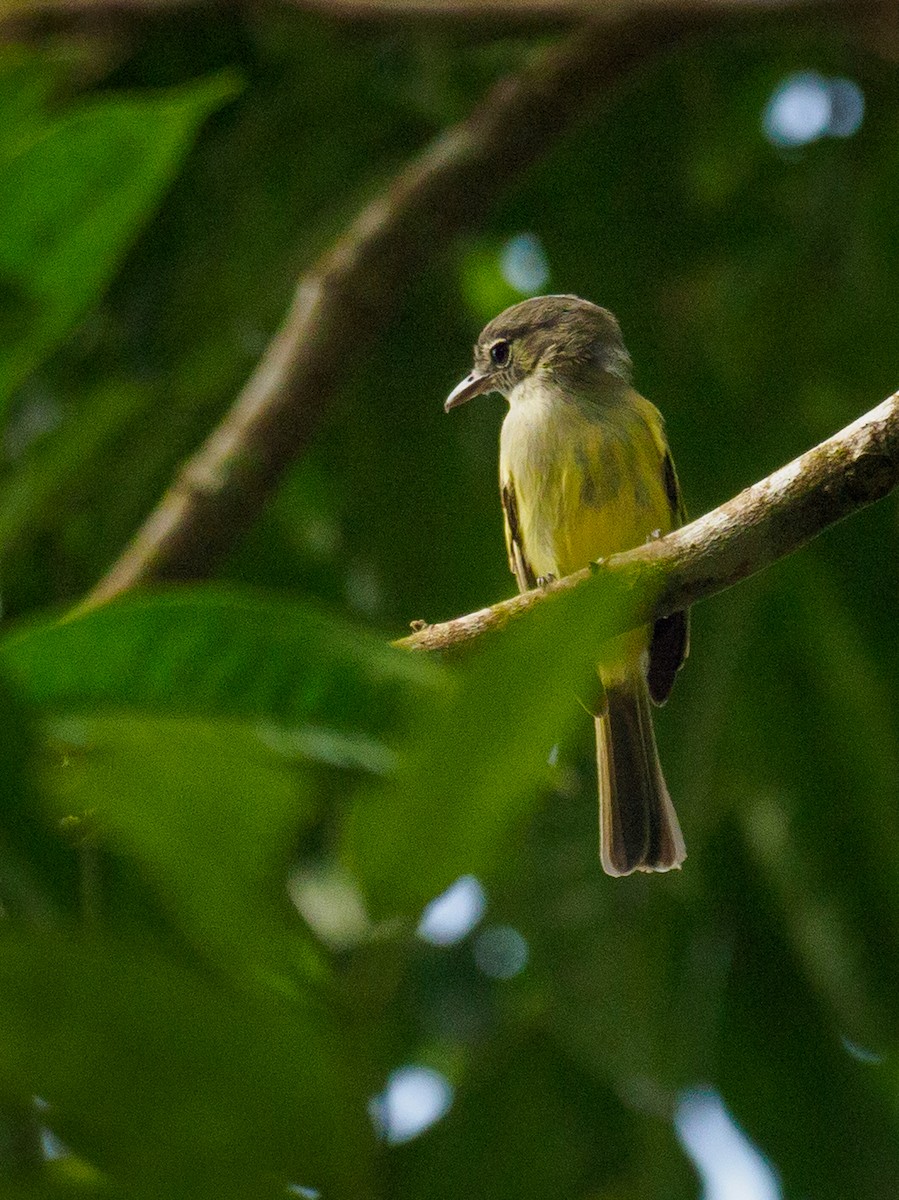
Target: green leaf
<point>174,1085</point>
<point>81,445</point>
<point>185,722</point>
<point>27,83</point>
<point>552,1131</point>
<point>35,870</point>
<point>216,652</point>
<point>206,809</point>
<point>478,759</point>
<point>805,1096</point>
<point>71,202</point>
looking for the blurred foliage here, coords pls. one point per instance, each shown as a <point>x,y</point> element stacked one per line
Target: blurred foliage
<point>226,806</point>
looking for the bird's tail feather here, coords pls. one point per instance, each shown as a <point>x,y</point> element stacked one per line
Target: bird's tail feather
<point>639,830</point>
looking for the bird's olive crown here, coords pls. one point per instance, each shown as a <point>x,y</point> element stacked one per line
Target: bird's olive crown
<point>561,334</point>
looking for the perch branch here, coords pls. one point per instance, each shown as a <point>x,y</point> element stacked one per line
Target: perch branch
<point>349,293</point>
<point>764,523</point>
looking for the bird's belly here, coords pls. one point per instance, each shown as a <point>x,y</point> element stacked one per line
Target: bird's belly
<point>587,485</point>
<point>583,491</point>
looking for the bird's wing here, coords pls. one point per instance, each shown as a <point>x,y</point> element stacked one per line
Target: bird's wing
<point>670,643</point>
<point>672,491</point>
<point>669,647</point>
<point>518,563</point>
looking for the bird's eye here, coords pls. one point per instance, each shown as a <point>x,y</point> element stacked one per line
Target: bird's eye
<point>500,353</point>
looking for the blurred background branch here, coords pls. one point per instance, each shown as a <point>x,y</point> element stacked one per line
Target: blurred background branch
<point>579,10</point>
<point>764,523</point>
<point>347,296</point>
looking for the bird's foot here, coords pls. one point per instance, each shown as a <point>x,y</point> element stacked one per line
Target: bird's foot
<point>543,581</point>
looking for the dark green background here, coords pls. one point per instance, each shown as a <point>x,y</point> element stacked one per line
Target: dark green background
<point>169,762</point>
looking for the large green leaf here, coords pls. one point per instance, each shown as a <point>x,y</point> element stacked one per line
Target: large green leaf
<point>205,810</point>
<point>219,653</point>
<point>808,1097</point>
<point>71,202</point>
<point>182,727</point>
<point>36,874</point>
<point>173,1084</point>
<point>65,454</point>
<point>478,760</point>
<point>27,83</point>
<point>554,1131</point>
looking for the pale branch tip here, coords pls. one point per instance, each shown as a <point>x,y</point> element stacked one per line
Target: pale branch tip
<point>764,523</point>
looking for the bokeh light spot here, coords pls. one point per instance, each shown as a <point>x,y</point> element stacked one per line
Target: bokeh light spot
<point>523,263</point>
<point>847,108</point>
<point>806,107</point>
<point>799,110</point>
<point>414,1099</point>
<point>452,915</point>
<point>729,1165</point>
<point>501,952</point>
<point>51,1147</point>
<point>861,1053</point>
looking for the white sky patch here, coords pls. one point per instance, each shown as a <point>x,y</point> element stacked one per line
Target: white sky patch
<point>414,1099</point>
<point>454,914</point>
<point>729,1165</point>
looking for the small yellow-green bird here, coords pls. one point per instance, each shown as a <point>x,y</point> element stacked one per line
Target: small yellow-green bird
<point>585,471</point>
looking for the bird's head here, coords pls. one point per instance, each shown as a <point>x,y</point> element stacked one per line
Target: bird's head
<point>559,336</point>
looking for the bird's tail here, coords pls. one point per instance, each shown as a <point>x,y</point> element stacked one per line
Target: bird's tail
<point>639,830</point>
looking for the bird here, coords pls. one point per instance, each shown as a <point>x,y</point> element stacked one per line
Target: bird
<point>585,471</point>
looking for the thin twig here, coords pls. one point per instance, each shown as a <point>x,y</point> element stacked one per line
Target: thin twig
<point>348,295</point>
<point>762,524</point>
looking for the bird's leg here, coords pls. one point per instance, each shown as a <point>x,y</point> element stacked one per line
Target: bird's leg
<point>543,581</point>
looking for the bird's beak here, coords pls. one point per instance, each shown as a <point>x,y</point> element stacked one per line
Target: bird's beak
<point>475,384</point>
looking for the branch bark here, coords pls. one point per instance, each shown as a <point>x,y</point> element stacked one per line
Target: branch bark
<point>764,523</point>
<point>348,295</point>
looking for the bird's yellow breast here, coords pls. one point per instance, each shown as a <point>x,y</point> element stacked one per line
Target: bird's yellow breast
<point>588,478</point>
